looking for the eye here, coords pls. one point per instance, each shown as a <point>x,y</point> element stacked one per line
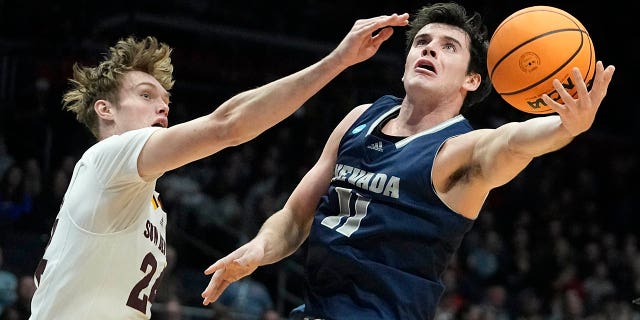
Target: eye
<point>420,42</point>
<point>145,95</point>
<point>449,47</point>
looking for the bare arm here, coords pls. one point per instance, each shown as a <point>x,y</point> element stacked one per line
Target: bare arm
<point>283,232</point>
<point>470,165</point>
<point>248,114</point>
<point>291,225</point>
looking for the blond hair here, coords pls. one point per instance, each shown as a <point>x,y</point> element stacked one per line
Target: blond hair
<point>90,84</point>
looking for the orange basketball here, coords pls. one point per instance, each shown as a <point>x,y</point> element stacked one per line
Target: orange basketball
<point>532,47</point>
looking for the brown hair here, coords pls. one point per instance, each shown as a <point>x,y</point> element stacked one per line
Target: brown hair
<point>471,22</point>
<point>90,84</point>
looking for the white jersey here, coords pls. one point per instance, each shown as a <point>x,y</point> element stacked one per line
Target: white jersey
<point>107,248</point>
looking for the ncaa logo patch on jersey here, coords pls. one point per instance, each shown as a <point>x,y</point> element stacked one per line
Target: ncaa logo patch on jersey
<point>358,128</point>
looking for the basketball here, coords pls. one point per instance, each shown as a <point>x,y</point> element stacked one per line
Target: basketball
<point>533,46</point>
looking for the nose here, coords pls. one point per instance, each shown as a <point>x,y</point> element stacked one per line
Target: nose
<point>164,108</point>
<point>428,52</point>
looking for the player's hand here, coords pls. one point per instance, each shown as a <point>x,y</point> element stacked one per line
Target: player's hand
<point>366,36</point>
<point>235,266</point>
<point>578,114</point>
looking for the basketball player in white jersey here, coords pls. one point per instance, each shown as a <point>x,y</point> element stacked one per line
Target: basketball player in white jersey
<point>106,254</point>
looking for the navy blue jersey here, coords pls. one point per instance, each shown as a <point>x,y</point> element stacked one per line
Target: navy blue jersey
<point>381,238</point>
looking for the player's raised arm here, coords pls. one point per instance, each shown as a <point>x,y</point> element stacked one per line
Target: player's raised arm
<point>250,113</point>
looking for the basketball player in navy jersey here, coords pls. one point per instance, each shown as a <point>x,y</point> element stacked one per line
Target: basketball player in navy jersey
<point>106,255</point>
<point>400,181</point>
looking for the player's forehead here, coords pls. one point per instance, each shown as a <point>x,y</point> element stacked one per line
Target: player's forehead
<point>443,30</point>
<point>135,77</point>
<point>133,80</point>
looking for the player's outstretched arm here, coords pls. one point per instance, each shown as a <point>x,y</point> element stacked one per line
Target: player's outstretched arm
<point>542,135</point>
<point>498,155</point>
<point>250,113</point>
<point>508,149</point>
<point>284,231</point>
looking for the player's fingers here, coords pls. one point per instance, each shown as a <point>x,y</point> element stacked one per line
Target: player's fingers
<point>555,106</point>
<point>581,87</point>
<point>382,36</point>
<point>368,26</point>
<point>601,82</point>
<point>213,292</point>
<point>386,20</point>
<point>217,284</point>
<point>220,264</point>
<point>562,92</point>
<point>608,75</point>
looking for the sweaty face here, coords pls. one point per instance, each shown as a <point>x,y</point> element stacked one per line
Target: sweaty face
<point>143,102</point>
<point>438,61</point>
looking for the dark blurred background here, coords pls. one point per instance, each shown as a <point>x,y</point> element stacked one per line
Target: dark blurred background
<point>559,242</point>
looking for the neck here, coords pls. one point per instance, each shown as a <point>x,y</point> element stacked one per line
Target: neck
<point>106,131</point>
<point>415,117</point>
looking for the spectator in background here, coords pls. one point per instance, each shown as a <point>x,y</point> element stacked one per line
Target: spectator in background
<point>26,290</point>
<point>172,310</point>
<point>6,160</point>
<point>10,314</point>
<point>598,287</point>
<point>270,314</point>
<point>32,180</point>
<point>247,298</point>
<point>496,300</point>
<point>32,177</point>
<point>529,305</point>
<point>21,308</point>
<point>8,285</point>
<point>568,305</point>
<point>15,201</point>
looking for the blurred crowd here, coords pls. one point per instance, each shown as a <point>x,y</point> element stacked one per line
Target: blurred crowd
<point>561,241</point>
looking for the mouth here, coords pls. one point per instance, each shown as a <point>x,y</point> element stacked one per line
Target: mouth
<point>425,65</point>
<point>161,123</point>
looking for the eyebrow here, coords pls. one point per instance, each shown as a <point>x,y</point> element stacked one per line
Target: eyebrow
<point>448,38</point>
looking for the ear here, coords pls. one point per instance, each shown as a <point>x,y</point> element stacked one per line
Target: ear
<point>472,82</point>
<point>103,108</point>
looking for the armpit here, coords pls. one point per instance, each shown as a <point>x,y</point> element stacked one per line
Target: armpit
<point>462,175</point>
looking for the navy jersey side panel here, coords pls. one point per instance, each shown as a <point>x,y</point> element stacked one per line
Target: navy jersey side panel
<point>381,238</point>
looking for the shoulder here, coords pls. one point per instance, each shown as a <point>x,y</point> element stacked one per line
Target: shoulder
<point>119,141</point>
<point>126,137</point>
<point>117,154</point>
